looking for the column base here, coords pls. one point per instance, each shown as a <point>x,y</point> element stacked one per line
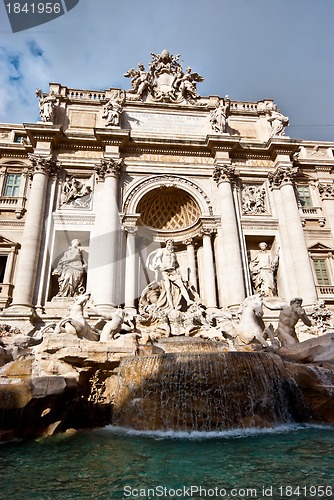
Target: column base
<point>19,311</point>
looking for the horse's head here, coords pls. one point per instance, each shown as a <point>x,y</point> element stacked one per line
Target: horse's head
<point>255,303</point>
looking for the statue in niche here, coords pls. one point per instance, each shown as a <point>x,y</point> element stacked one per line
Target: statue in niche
<point>46,105</point>
<point>170,305</point>
<point>113,109</point>
<point>263,270</point>
<point>278,123</point>
<point>288,318</point>
<point>218,116</point>
<point>253,200</point>
<point>76,193</point>
<point>71,271</point>
<point>165,260</point>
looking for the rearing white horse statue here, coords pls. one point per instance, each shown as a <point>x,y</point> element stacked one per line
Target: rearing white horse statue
<point>250,326</point>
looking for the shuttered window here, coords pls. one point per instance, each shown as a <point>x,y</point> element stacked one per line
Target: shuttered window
<point>321,271</point>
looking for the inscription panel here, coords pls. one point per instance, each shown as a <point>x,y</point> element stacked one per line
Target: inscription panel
<point>169,124</point>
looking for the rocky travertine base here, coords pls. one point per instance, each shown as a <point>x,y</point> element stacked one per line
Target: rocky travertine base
<point>64,382</point>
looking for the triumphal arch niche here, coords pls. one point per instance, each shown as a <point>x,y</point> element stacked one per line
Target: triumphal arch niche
<point>94,190</point>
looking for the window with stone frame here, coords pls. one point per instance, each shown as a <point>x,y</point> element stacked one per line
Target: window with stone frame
<point>12,185</point>
<point>304,196</point>
<point>321,271</point>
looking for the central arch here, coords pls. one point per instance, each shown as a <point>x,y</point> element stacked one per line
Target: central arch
<point>168,208</point>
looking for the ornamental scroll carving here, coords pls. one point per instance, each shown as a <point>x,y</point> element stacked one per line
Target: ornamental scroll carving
<point>165,81</point>
<point>253,199</point>
<point>42,164</point>
<point>109,167</point>
<point>224,173</point>
<point>282,175</point>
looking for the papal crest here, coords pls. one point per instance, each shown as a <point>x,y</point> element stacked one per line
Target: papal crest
<point>165,81</point>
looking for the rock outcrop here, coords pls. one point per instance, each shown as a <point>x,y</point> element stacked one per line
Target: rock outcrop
<point>65,382</point>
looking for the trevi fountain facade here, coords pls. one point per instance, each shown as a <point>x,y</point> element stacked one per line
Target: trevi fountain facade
<point>167,261</point>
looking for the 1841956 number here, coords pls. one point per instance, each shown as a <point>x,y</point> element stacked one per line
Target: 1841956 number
<point>34,8</point>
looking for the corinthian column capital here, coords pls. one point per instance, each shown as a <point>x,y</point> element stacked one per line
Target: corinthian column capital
<point>224,173</point>
<point>108,167</point>
<point>42,164</point>
<point>282,175</point>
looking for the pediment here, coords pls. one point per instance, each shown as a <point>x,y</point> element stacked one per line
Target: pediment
<point>320,247</point>
<point>6,243</point>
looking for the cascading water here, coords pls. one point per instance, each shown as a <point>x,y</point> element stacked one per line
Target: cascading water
<point>201,392</point>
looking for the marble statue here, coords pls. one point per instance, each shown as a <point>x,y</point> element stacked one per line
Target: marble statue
<point>249,326</point>
<point>288,318</point>
<point>46,105</point>
<point>165,81</point>
<point>165,260</point>
<point>263,270</point>
<point>140,80</point>
<point>113,109</point>
<point>218,116</point>
<point>119,322</point>
<point>321,317</point>
<point>71,270</point>
<point>74,323</point>
<point>278,123</point>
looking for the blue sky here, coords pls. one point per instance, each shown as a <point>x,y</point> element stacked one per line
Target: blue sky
<point>249,49</point>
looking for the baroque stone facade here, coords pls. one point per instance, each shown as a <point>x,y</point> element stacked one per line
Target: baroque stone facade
<point>106,177</point>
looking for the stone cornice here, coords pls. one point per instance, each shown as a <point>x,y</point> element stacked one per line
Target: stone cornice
<point>42,132</point>
<point>112,136</point>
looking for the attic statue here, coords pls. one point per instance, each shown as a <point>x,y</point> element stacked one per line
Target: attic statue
<point>46,105</point>
<point>218,116</point>
<point>113,109</point>
<point>278,123</point>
